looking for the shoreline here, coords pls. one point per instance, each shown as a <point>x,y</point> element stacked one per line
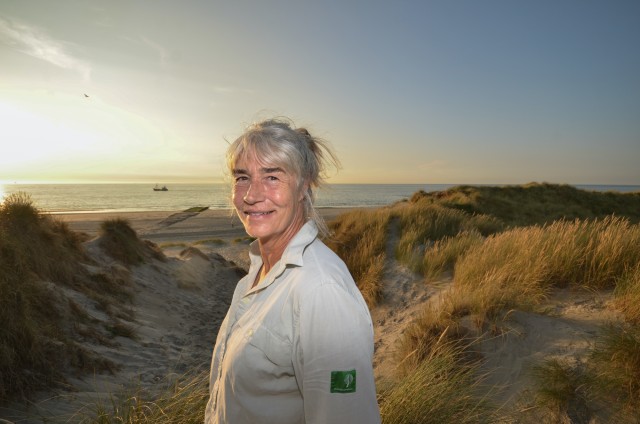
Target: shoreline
<point>175,226</point>
<point>153,211</point>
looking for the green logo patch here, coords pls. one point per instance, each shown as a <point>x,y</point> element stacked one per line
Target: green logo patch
<point>343,381</point>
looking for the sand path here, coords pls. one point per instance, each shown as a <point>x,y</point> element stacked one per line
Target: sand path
<point>564,327</point>
<point>404,294</point>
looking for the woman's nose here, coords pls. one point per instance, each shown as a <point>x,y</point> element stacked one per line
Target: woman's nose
<point>254,193</point>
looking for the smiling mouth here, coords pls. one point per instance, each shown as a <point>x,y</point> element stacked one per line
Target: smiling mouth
<point>258,213</point>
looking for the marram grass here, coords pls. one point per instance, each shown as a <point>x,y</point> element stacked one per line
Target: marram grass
<point>182,401</point>
<point>438,390</point>
<point>627,295</point>
<point>517,268</point>
<point>359,238</point>
<point>444,253</point>
<point>39,325</point>
<point>604,387</point>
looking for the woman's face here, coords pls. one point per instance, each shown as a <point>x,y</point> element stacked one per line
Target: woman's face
<point>267,200</point>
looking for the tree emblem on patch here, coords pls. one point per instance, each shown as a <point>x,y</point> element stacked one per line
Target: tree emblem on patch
<point>343,381</point>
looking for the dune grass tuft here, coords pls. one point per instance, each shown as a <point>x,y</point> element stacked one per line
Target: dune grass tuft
<point>422,225</point>
<point>182,401</point>
<point>444,254</point>
<point>535,203</point>
<point>517,268</point>
<point>33,343</point>
<point>562,391</point>
<point>214,241</point>
<point>38,253</point>
<point>627,295</point>
<point>605,388</point>
<point>439,390</point>
<point>359,238</point>
<point>616,368</point>
<point>121,242</point>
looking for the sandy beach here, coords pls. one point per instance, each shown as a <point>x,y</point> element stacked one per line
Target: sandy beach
<point>174,226</point>
<point>175,230</point>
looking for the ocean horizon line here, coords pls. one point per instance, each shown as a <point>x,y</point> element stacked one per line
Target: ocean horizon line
<point>140,197</point>
<point>31,183</point>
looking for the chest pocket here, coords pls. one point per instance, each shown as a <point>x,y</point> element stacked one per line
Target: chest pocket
<point>275,349</point>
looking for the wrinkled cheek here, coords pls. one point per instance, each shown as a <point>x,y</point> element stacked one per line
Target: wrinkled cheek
<point>236,197</point>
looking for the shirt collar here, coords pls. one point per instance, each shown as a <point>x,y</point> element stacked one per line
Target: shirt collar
<point>292,254</point>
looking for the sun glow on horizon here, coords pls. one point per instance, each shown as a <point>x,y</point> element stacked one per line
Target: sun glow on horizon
<point>33,138</point>
<point>62,137</point>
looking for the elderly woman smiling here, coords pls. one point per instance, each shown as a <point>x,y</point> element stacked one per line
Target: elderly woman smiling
<point>296,345</point>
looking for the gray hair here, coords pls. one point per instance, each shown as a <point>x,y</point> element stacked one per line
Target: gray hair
<point>276,142</point>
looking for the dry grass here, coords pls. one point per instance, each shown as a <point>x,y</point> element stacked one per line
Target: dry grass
<point>441,389</point>
<point>181,402</point>
<point>37,334</point>
<point>615,370</point>
<point>359,238</point>
<point>214,241</point>
<point>562,394</point>
<point>517,268</point>
<point>426,335</point>
<point>423,224</point>
<point>627,295</point>
<point>33,343</point>
<point>535,204</point>
<point>121,242</point>
<point>605,388</point>
<point>444,254</point>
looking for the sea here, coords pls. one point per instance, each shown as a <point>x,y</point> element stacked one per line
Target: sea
<point>94,198</point>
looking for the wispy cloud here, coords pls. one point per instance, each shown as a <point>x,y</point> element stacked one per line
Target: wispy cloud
<point>36,43</point>
<point>161,50</point>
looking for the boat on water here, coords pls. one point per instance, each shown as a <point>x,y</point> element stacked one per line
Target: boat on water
<point>158,188</point>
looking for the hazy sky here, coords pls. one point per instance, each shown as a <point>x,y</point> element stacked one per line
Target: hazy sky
<point>406,91</point>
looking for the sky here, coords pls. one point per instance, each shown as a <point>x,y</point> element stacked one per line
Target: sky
<point>415,92</point>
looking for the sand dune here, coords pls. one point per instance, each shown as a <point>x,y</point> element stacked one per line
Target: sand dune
<point>180,303</point>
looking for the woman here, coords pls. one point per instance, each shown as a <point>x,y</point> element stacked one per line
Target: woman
<point>296,345</point>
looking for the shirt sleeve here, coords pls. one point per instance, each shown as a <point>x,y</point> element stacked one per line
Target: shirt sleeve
<point>333,357</point>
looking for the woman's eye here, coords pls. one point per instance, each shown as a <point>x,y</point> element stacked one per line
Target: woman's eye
<point>241,179</point>
<point>272,178</point>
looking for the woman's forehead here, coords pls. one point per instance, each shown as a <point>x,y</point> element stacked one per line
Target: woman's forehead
<point>253,159</point>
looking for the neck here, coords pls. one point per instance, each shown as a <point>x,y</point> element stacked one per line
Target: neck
<point>271,250</point>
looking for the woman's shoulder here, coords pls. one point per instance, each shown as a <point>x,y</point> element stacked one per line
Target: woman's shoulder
<point>322,267</point>
<point>320,255</point>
